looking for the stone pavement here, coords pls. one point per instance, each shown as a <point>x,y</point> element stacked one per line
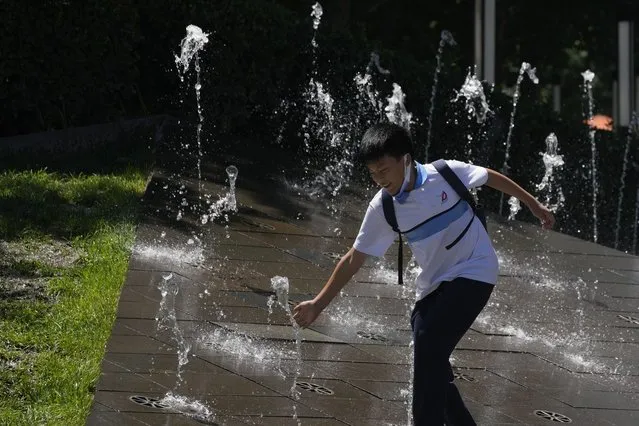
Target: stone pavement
<point>558,342</point>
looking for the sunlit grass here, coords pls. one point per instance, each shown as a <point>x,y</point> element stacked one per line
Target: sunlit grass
<point>51,348</point>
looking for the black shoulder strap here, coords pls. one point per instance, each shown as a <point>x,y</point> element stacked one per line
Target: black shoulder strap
<point>389,214</point>
<point>389,210</point>
<point>454,182</point>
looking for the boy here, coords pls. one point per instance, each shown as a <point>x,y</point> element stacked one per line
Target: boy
<point>458,262</point>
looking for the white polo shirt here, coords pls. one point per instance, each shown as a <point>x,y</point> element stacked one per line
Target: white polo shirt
<point>431,218</point>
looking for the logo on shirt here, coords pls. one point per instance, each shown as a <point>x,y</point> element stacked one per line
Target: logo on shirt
<point>444,197</point>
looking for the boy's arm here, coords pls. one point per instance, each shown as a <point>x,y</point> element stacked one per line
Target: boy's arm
<point>306,312</point>
<point>504,184</point>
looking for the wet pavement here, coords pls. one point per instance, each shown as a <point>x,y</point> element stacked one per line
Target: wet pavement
<point>558,342</point>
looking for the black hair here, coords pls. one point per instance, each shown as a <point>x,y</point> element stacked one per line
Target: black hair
<point>385,139</point>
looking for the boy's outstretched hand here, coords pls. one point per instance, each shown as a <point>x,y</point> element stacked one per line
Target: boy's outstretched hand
<point>305,313</point>
<point>542,213</point>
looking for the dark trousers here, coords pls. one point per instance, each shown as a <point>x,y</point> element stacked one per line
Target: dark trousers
<point>439,321</point>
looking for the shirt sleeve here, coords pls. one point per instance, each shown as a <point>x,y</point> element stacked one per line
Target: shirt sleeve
<point>375,235</point>
<point>472,176</point>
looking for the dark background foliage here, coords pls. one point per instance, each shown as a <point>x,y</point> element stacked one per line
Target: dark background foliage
<point>79,62</point>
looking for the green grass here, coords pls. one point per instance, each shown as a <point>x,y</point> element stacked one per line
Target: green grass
<point>51,349</point>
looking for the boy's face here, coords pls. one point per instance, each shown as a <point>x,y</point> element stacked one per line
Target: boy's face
<point>388,172</point>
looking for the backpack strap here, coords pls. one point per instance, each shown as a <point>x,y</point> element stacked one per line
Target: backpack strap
<point>389,214</point>
<point>452,179</point>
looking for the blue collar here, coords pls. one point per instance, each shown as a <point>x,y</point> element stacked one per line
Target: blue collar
<point>422,174</point>
<point>420,178</point>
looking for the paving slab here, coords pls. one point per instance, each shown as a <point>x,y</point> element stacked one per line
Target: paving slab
<point>198,318</point>
<point>277,332</point>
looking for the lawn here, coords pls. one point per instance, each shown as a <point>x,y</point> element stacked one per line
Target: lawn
<point>65,241</point>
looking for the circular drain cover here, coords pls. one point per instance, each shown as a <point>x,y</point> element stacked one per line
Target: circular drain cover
<point>371,336</point>
<point>257,224</point>
<point>332,255</point>
<point>629,319</point>
<point>553,417</point>
<point>312,387</point>
<point>148,401</point>
<point>464,377</point>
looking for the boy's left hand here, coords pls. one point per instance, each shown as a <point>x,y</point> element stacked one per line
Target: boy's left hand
<point>542,213</point>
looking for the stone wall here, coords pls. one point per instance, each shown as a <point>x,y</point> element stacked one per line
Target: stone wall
<point>89,138</point>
